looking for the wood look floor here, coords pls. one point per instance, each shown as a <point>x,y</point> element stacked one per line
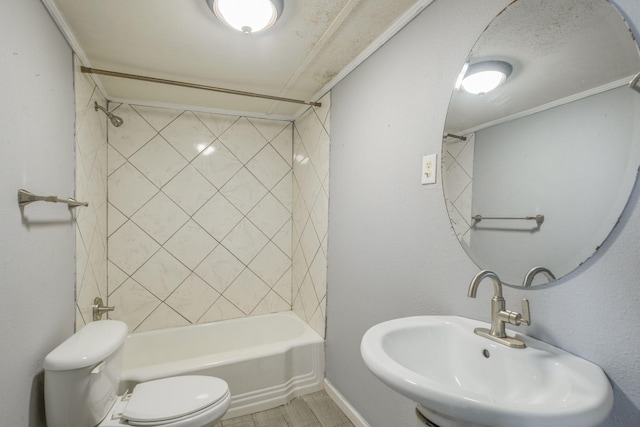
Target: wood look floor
<point>312,410</point>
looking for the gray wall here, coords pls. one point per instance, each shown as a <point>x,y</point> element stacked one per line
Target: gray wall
<point>392,252</point>
<point>37,267</point>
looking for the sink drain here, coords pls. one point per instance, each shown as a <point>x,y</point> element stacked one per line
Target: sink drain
<point>486,353</point>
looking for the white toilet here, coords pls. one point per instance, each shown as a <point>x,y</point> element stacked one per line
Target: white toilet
<point>81,378</point>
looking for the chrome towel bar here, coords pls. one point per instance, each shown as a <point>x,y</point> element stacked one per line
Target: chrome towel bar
<point>539,219</point>
<point>25,197</point>
<point>633,84</point>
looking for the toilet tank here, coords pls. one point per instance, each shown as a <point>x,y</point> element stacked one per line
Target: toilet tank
<point>81,375</point>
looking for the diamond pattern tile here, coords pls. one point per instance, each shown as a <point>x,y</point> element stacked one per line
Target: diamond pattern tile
<point>130,138</point>
<point>188,135</point>
<point>158,161</point>
<point>160,218</point>
<point>203,210</point>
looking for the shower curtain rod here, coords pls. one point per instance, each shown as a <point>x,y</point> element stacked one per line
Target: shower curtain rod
<point>194,86</point>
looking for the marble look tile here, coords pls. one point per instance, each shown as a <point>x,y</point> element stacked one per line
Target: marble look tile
<point>115,276</point>
<point>222,309</point>
<point>218,217</point>
<point>192,298</point>
<point>246,291</point>
<point>217,164</point>
<point>189,189</point>
<point>158,161</point>
<point>244,191</point>
<point>320,156</point>
<point>283,239</point>
<point>114,160</point>
<point>161,274</point>
<point>245,241</point>
<point>270,264</point>
<point>308,296</point>
<point>130,247</point>
<point>188,135</point>
<point>129,189</point>
<point>161,318</point>
<point>191,244</point>
<point>219,269</point>
<point>130,138</point>
<point>271,303</point>
<point>455,182</point>
<point>243,140</point>
<point>283,191</point>
<point>115,219</point>
<point>284,286</point>
<point>158,118</point>
<point>269,215</point>
<point>318,274</point>
<point>269,129</point>
<point>160,218</point>
<point>317,322</point>
<point>309,242</point>
<point>268,166</point>
<point>283,143</point>
<point>216,123</point>
<point>320,214</point>
<point>309,128</point>
<point>133,303</point>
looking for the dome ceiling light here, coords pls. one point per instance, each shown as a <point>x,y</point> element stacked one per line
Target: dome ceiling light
<point>485,76</point>
<point>248,16</point>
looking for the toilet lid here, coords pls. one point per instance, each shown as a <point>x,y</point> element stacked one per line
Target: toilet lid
<point>169,398</point>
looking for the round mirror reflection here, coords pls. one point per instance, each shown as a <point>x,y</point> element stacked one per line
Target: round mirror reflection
<point>537,171</point>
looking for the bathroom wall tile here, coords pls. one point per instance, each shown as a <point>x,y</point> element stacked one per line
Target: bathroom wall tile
<point>284,287</point>
<point>309,242</point>
<point>269,129</point>
<point>189,213</point>
<point>129,189</point>
<point>244,191</point>
<point>268,166</point>
<point>158,161</point>
<point>130,247</point>
<point>218,217</point>
<point>283,239</point>
<point>243,140</point>
<point>283,143</point>
<point>158,118</point>
<point>219,269</point>
<point>189,189</point>
<point>217,164</point>
<point>191,244</point>
<point>455,182</point>
<point>114,160</point>
<point>318,274</point>
<point>271,303</point>
<point>308,297</point>
<point>320,156</point>
<point>320,214</point>
<point>270,264</point>
<point>222,309</point>
<point>283,191</point>
<point>245,241</point>
<point>192,298</point>
<point>216,123</point>
<point>246,291</point>
<point>269,215</point>
<point>188,135</point>
<point>160,218</point>
<point>133,303</point>
<point>115,219</point>
<point>161,274</point>
<point>161,318</point>
<point>129,138</point>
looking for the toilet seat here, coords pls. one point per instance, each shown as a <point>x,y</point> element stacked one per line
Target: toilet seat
<point>184,401</point>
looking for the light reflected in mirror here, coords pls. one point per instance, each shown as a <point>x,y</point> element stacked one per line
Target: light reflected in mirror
<point>559,138</point>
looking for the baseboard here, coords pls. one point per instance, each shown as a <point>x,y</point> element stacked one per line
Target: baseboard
<point>344,405</point>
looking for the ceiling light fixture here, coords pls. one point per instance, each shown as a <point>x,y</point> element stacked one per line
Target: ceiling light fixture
<point>485,76</point>
<point>248,16</point>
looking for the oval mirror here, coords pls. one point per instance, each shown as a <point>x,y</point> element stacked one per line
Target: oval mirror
<point>536,172</point>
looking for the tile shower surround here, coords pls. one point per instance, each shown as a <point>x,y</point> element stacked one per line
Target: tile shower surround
<point>201,215</point>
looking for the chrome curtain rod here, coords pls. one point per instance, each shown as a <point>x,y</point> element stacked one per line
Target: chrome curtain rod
<point>194,86</point>
<point>539,219</point>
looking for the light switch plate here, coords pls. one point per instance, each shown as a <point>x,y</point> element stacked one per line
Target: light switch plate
<point>429,168</point>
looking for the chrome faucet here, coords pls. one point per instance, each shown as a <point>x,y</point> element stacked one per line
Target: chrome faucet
<point>499,315</point>
<point>528,279</point>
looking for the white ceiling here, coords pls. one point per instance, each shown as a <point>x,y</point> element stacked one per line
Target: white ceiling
<point>313,45</point>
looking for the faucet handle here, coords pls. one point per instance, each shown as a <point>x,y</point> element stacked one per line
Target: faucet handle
<point>526,314</point>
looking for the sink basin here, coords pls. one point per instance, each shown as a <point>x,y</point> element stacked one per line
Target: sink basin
<point>459,378</point>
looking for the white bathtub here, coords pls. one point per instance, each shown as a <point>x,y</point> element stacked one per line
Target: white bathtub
<point>266,360</point>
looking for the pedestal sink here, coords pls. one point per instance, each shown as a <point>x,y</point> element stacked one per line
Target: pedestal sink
<point>461,379</point>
